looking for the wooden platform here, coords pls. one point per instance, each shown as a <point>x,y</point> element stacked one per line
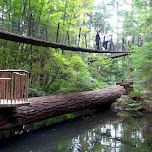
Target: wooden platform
<point>9,103</point>
<point>14,88</point>
<point>13,105</point>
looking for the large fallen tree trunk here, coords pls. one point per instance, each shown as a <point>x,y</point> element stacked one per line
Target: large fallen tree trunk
<point>51,106</point>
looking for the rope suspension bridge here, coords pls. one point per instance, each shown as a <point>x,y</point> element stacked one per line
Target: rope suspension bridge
<point>30,31</point>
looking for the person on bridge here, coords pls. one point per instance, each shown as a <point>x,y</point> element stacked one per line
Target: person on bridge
<point>129,39</point>
<point>97,39</point>
<point>105,40</point>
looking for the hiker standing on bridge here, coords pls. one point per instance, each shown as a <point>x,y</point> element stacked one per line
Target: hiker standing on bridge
<point>105,40</point>
<point>129,39</point>
<point>97,39</point>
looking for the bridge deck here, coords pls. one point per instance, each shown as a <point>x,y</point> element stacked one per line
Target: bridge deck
<point>9,103</point>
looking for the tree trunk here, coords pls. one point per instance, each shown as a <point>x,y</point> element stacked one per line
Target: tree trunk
<point>51,106</point>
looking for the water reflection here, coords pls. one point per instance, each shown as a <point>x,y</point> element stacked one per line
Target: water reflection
<point>100,132</point>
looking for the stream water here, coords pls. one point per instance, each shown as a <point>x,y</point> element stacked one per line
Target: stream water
<point>96,132</point>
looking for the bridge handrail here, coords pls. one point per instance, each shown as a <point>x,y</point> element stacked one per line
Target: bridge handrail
<point>9,70</point>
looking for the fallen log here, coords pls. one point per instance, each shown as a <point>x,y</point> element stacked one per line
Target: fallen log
<point>46,107</point>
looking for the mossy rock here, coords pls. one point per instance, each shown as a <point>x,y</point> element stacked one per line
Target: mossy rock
<point>124,114</point>
<point>147,105</point>
<point>125,102</point>
<point>129,114</point>
<point>126,97</point>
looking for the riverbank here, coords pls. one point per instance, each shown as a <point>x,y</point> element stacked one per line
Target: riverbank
<point>129,103</point>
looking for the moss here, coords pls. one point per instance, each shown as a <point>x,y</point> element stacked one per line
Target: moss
<point>14,132</point>
<point>125,102</point>
<point>124,114</point>
<point>129,114</point>
<point>147,104</point>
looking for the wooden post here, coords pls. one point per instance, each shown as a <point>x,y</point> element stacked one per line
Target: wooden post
<point>3,88</point>
<point>15,87</point>
<point>26,88</point>
<point>111,43</point>
<point>0,88</point>
<point>46,32</point>
<point>6,90</point>
<point>79,37</point>
<point>21,91</point>
<point>68,37</point>
<point>12,86</point>
<point>19,22</point>
<point>57,34</point>
<point>123,42</point>
<point>86,39</point>
<point>9,87</point>
<point>18,87</point>
<point>30,25</point>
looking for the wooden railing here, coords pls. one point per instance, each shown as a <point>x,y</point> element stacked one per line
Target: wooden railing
<point>13,87</point>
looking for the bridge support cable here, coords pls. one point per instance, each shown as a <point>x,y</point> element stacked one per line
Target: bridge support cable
<point>112,57</point>
<point>118,56</point>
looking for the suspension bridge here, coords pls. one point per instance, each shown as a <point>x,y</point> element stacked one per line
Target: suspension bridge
<point>29,30</point>
<point>38,42</point>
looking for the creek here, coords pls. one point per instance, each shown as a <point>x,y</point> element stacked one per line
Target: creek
<point>102,131</point>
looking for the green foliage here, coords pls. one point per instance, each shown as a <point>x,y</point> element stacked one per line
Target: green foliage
<point>107,70</point>
<point>125,114</point>
<point>35,93</point>
<point>79,79</point>
<point>99,18</point>
<point>142,61</point>
<point>126,103</point>
<point>54,71</point>
<point>138,22</point>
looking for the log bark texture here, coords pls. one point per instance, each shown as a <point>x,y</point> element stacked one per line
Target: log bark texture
<point>51,106</point>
